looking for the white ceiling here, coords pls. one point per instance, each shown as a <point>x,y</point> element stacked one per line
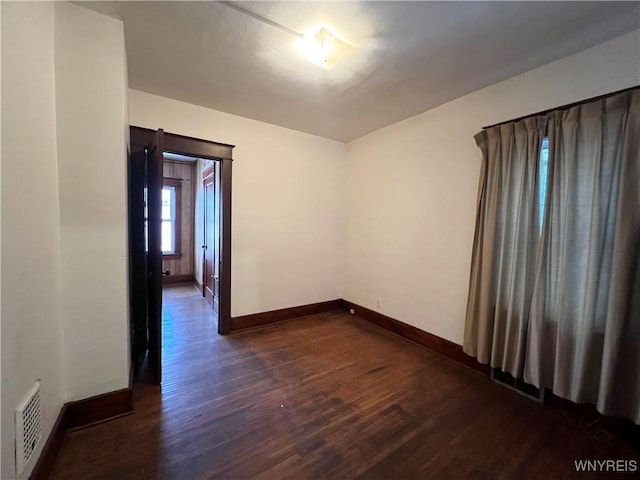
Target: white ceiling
<point>409,56</point>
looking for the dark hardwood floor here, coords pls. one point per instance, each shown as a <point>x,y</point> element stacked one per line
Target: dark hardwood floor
<point>324,397</point>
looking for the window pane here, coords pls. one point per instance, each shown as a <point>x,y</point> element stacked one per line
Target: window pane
<point>168,200</point>
<point>167,236</point>
<point>544,168</point>
<point>146,223</point>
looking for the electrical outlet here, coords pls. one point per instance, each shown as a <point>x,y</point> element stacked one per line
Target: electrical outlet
<point>352,311</point>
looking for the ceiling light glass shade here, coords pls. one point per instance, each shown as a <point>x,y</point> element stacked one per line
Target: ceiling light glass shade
<point>323,48</point>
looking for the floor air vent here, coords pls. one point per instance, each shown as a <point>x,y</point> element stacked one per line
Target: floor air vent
<point>28,427</point>
<point>518,384</point>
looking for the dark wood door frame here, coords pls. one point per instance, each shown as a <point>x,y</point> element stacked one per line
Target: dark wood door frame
<point>222,153</point>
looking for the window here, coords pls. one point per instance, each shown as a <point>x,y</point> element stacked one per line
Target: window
<point>544,168</point>
<point>168,219</point>
<point>171,194</point>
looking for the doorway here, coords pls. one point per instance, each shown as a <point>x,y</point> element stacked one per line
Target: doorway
<point>153,210</point>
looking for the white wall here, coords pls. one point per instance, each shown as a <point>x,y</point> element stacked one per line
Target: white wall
<point>64,128</point>
<point>412,187</point>
<point>31,344</point>
<point>288,209</point>
<point>91,118</point>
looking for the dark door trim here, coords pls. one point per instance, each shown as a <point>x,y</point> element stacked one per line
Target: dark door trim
<point>182,145</point>
<point>219,152</point>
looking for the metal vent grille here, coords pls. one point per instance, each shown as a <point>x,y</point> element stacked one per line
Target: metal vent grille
<point>28,427</point>
<point>518,384</point>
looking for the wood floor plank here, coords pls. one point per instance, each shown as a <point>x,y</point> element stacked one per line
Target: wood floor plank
<point>324,396</point>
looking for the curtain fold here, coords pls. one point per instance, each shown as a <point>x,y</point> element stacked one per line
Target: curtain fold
<point>505,244</point>
<point>584,335</point>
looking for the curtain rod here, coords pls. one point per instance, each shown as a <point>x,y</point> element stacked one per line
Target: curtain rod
<point>564,107</point>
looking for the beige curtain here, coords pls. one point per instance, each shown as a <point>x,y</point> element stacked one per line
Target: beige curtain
<point>559,303</point>
<point>584,334</point>
<point>505,244</point>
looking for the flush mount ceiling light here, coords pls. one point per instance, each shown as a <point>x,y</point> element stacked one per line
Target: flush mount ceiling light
<point>323,48</point>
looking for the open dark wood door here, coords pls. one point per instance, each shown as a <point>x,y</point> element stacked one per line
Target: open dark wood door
<point>138,256</point>
<point>154,254</point>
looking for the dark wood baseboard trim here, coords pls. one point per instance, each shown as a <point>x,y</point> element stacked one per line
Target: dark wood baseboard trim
<point>81,414</point>
<point>98,409</point>
<point>264,318</point>
<point>623,427</point>
<point>53,445</point>
<point>171,279</point>
<point>425,339</point>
